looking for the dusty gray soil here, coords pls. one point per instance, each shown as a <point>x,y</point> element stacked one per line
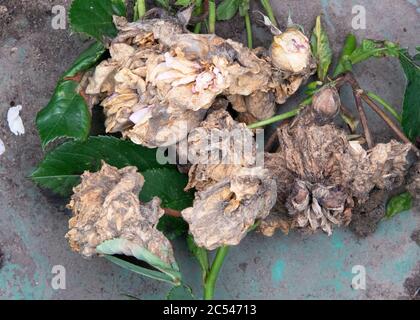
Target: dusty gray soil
<point>412,285</point>
<point>415,236</point>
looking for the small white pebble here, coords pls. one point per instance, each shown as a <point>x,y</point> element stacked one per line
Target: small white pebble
<point>15,121</point>
<point>2,147</point>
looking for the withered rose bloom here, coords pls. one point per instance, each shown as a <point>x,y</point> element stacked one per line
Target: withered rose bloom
<point>223,213</point>
<point>321,175</point>
<point>161,80</point>
<point>106,206</point>
<point>219,147</point>
<point>232,191</point>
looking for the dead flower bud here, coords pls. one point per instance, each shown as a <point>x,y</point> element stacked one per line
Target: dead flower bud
<point>291,51</point>
<point>326,104</point>
<point>105,206</point>
<point>223,213</point>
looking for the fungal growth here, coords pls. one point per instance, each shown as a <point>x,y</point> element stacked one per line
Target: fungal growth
<point>106,206</point>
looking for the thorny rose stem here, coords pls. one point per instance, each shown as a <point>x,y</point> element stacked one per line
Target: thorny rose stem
<point>210,282</point>
<point>363,119</point>
<point>350,79</point>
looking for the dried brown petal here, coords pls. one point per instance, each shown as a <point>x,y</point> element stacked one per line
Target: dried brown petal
<point>274,222</point>
<point>105,206</point>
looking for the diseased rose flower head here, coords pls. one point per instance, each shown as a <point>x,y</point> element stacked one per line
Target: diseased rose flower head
<point>233,190</point>
<point>326,103</point>
<point>217,148</point>
<point>223,213</point>
<point>159,76</point>
<point>321,175</point>
<point>291,51</point>
<point>106,206</point>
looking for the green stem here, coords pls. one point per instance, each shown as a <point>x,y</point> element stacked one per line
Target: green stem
<point>212,16</point>
<point>198,11</point>
<point>197,28</point>
<point>248,30</point>
<point>269,10</point>
<point>386,105</point>
<point>214,272</point>
<point>139,9</point>
<point>282,116</point>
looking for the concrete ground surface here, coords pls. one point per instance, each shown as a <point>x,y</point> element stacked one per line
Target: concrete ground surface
<point>33,224</point>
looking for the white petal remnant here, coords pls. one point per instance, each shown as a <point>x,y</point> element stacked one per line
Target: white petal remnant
<point>2,147</point>
<point>15,121</point>
<point>106,206</point>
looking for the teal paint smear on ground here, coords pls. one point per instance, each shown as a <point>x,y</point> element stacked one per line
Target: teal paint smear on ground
<point>277,271</point>
<point>33,283</point>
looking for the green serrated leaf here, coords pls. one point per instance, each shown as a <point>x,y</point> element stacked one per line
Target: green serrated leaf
<point>398,204</point>
<point>163,3</point>
<point>172,227</point>
<point>86,60</point>
<point>227,9</point>
<point>366,50</point>
<point>94,17</point>
<point>172,192</point>
<point>321,49</point>
<point>411,105</point>
<point>344,63</point>
<point>184,3</point>
<point>61,169</point>
<point>182,292</point>
<point>66,115</point>
<point>373,48</point>
<point>200,254</point>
